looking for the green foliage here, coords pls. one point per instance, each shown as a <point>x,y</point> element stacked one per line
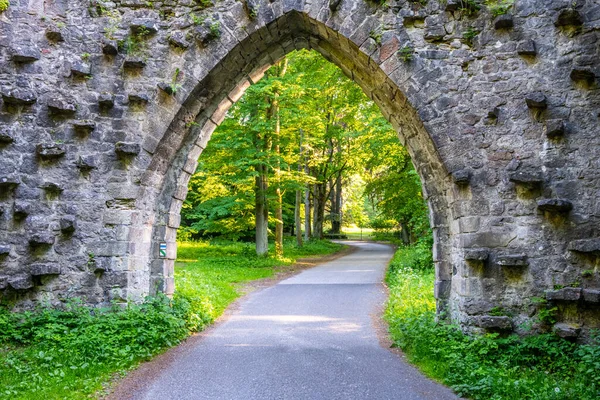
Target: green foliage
<point>546,313</point>
<point>4,4</point>
<point>482,366</point>
<point>215,29</point>
<point>469,35</point>
<point>112,26</point>
<point>588,273</point>
<point>174,85</point>
<point>71,353</point>
<point>376,35</point>
<point>499,7</point>
<point>469,7</point>
<point>406,53</point>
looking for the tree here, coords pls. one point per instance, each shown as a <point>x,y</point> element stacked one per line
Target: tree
<point>304,129</point>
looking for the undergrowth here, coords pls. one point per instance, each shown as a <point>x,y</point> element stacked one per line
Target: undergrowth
<point>74,352</point>
<point>483,366</point>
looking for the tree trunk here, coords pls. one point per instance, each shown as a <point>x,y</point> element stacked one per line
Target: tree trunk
<point>297,218</point>
<point>278,193</point>
<point>261,211</point>
<point>319,199</point>
<point>405,234</point>
<point>336,206</point>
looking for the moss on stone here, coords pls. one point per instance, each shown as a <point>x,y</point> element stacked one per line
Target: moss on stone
<point>4,5</point>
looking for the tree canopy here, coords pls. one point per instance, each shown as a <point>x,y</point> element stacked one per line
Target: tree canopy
<point>305,131</point>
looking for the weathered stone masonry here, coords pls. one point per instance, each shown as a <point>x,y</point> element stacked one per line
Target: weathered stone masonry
<point>106,107</point>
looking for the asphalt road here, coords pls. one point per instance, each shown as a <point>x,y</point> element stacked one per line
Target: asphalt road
<point>312,336</point>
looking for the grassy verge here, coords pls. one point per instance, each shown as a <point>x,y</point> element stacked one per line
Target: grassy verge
<point>72,353</point>
<point>355,233</point>
<point>488,366</point>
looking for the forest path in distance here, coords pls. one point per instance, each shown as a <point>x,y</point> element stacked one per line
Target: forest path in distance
<point>312,336</point>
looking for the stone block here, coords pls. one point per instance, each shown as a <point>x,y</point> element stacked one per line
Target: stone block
<point>583,74</point>
<point>134,63</point>
<point>4,249</point>
<point>3,282</point>
<point>527,48</point>
<point>536,100</point>
<point>166,87</point>
<point>526,177</point>
<point>52,188</point>
<point>86,163</point>
<point>68,224</point>
<point>568,17</point>
<point>127,148</point>
<point>84,127</point>
<point>110,47</point>
<point>585,246</point>
<point>54,34</point>
<point>50,151</point>
<point>138,98</point>
<point>504,21</point>
<point>555,128</point>
<point>566,331</point>
<point>434,33</point>
<point>474,255</point>
<point>108,249</point>
<point>143,27</point>
<point>6,137</point>
<point>81,69</point>
<point>177,39</point>
<point>42,269</point>
<point>25,53</point>
<point>452,5</point>
<point>41,239</point>
<point>19,96</point>
<point>591,295</point>
<point>60,106</point>
<point>461,177</point>
<point>106,101</point>
<point>21,282</point>
<point>8,184</point>
<point>21,209</point>
<point>441,289</point>
<point>555,206</point>
<point>564,294</point>
<point>206,32</point>
<point>512,260</point>
<point>495,322</point>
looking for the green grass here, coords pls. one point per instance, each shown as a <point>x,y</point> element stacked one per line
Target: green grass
<point>73,353</point>
<point>354,233</point>
<point>485,366</point>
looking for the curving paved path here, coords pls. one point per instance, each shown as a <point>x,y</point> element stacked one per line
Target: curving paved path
<point>312,336</point>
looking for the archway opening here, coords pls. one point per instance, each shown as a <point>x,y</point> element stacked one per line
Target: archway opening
<point>166,180</point>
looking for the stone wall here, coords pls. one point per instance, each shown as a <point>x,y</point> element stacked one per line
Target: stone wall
<point>106,107</point>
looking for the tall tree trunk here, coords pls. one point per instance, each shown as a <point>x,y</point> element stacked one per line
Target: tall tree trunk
<point>261,210</point>
<point>405,233</point>
<point>336,206</point>
<point>307,214</point>
<point>297,219</point>
<point>278,192</point>
<point>319,199</point>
